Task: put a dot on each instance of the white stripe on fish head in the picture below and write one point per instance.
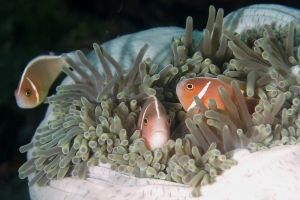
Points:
(35, 90)
(155, 102)
(156, 108)
(200, 95)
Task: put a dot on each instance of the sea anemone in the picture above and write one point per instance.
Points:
(91, 121)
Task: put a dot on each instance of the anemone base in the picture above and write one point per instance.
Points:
(270, 174)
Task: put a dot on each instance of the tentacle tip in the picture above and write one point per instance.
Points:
(295, 69)
(189, 19)
(64, 55)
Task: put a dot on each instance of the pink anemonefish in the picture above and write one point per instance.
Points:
(204, 88)
(36, 80)
(154, 123)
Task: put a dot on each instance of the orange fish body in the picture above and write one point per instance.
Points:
(154, 123)
(204, 88)
(36, 80)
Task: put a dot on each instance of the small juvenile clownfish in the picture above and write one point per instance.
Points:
(36, 80)
(204, 88)
(154, 123)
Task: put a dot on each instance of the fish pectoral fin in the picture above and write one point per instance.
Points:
(180, 131)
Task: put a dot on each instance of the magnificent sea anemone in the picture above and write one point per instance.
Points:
(88, 146)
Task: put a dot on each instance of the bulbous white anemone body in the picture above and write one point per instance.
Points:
(270, 174)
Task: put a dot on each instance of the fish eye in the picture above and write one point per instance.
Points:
(145, 121)
(27, 93)
(190, 86)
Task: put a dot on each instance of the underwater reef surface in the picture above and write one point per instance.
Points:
(262, 61)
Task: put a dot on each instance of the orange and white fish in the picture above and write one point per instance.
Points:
(36, 80)
(154, 123)
(204, 88)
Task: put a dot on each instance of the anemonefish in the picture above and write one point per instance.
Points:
(154, 123)
(36, 80)
(204, 88)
